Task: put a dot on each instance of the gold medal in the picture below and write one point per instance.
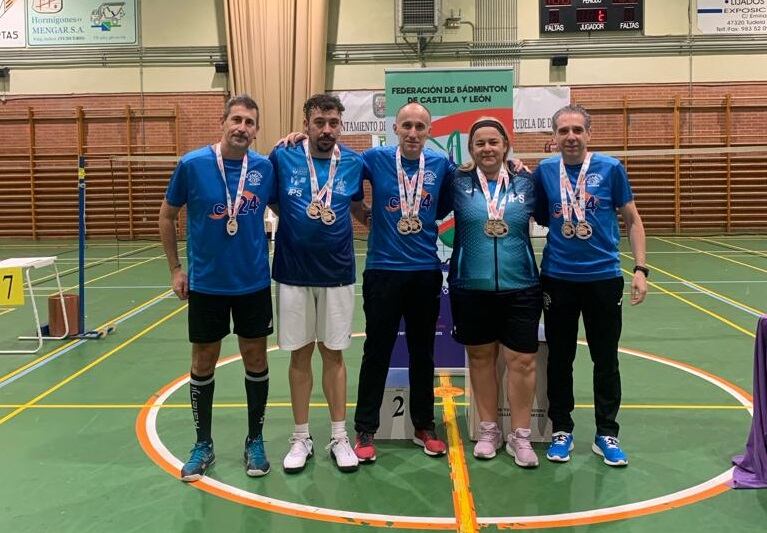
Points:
(328, 216)
(490, 228)
(583, 230)
(568, 229)
(314, 210)
(231, 226)
(403, 226)
(415, 225)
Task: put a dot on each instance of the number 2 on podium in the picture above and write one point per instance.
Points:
(399, 402)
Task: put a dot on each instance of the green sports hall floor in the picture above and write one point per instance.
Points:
(90, 431)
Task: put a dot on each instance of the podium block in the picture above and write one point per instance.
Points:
(540, 425)
(395, 408)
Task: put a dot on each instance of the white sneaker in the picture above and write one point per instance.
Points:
(343, 454)
(301, 449)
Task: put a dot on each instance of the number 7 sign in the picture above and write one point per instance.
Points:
(11, 287)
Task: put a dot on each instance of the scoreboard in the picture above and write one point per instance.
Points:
(582, 16)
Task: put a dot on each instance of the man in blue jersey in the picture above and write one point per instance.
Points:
(225, 188)
(402, 276)
(314, 266)
(579, 194)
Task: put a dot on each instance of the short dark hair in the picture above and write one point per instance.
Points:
(323, 102)
(245, 101)
(572, 108)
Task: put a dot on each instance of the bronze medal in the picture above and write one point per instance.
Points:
(501, 228)
(403, 226)
(314, 210)
(231, 226)
(583, 230)
(568, 229)
(490, 228)
(328, 216)
(415, 225)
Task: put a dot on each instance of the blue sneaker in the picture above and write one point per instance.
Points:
(608, 448)
(202, 457)
(560, 447)
(256, 464)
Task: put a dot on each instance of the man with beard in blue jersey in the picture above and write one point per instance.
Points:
(579, 194)
(314, 266)
(402, 276)
(225, 188)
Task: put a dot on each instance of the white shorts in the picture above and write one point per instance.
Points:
(307, 314)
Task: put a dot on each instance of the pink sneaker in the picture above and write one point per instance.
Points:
(489, 441)
(519, 447)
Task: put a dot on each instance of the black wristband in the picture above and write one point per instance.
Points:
(644, 270)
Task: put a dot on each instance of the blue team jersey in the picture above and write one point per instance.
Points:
(307, 252)
(607, 189)
(487, 263)
(387, 249)
(219, 263)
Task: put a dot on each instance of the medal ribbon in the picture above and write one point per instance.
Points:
(494, 209)
(566, 191)
(327, 190)
(410, 188)
(232, 209)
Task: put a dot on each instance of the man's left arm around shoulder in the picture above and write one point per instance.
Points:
(635, 230)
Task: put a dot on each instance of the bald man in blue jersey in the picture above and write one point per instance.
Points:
(579, 195)
(225, 188)
(402, 277)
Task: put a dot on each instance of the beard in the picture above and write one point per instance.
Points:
(324, 144)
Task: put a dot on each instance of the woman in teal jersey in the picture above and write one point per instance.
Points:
(495, 292)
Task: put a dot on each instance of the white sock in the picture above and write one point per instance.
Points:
(338, 429)
(301, 430)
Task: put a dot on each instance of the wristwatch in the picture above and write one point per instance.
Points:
(644, 270)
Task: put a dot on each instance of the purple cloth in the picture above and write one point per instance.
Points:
(751, 467)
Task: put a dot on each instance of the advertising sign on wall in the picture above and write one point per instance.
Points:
(732, 17)
(81, 22)
(12, 30)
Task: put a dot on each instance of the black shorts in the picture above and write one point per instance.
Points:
(209, 315)
(508, 317)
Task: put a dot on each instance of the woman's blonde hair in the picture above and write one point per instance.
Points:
(485, 122)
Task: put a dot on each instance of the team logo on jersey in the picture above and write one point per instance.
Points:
(516, 197)
(249, 204)
(392, 205)
(298, 176)
(594, 180)
(592, 203)
(254, 178)
(429, 178)
(339, 186)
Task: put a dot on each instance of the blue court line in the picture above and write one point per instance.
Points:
(44, 362)
(702, 290)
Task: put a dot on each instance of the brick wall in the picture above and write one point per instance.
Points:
(653, 116)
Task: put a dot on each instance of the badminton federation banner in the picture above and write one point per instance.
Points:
(456, 98)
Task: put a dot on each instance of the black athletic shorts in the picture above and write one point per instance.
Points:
(509, 317)
(209, 315)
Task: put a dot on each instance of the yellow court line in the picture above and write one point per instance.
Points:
(87, 367)
(272, 405)
(706, 289)
(118, 271)
(694, 305)
(70, 343)
(732, 246)
(463, 500)
(723, 258)
(95, 263)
